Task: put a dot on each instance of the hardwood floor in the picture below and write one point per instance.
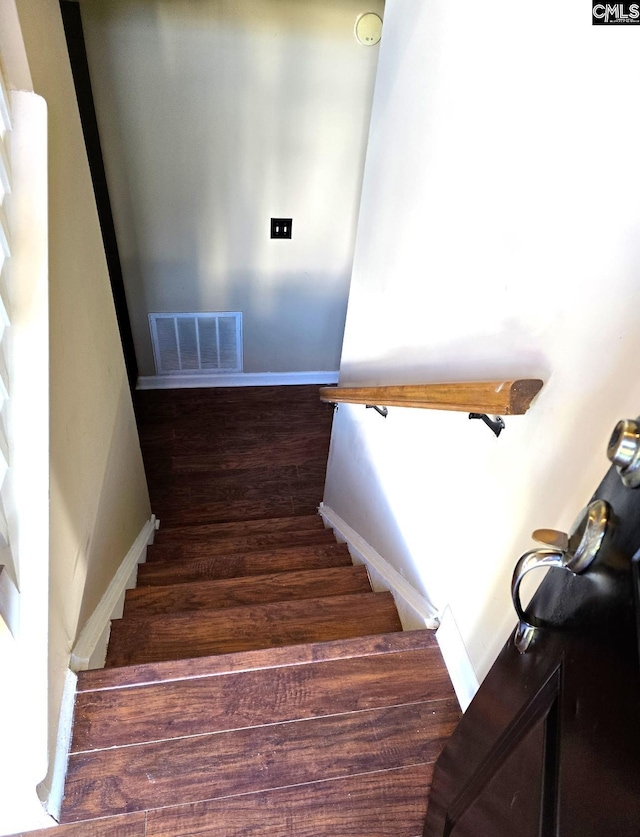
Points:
(233, 454)
(255, 684)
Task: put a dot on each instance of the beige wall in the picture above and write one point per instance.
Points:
(24, 585)
(99, 499)
(499, 236)
(214, 117)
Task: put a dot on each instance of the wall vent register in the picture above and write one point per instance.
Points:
(197, 344)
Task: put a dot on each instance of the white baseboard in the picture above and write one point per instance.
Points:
(461, 671)
(90, 648)
(53, 794)
(414, 609)
(239, 379)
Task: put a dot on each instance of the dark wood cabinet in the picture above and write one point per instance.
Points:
(550, 745)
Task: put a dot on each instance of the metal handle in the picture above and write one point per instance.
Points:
(574, 552)
(531, 560)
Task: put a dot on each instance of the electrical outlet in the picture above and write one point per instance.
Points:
(281, 227)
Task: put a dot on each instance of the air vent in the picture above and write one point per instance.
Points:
(197, 344)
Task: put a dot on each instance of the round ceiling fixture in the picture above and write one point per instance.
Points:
(368, 29)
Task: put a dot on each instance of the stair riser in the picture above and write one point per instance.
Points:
(247, 528)
(144, 602)
(255, 563)
(228, 546)
(202, 633)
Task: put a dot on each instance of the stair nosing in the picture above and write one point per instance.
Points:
(303, 522)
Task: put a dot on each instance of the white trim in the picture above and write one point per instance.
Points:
(5, 106)
(233, 379)
(54, 794)
(457, 660)
(414, 609)
(95, 634)
(9, 594)
(5, 244)
(5, 176)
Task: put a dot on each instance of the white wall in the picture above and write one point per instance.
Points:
(214, 117)
(499, 236)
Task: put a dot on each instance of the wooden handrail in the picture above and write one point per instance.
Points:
(505, 398)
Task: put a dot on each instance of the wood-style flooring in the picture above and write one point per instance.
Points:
(255, 685)
(232, 453)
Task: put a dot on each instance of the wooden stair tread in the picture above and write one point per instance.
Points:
(257, 759)
(309, 556)
(215, 531)
(121, 825)
(200, 633)
(245, 590)
(228, 546)
(112, 718)
(265, 658)
(387, 803)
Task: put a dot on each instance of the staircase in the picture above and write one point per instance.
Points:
(255, 685)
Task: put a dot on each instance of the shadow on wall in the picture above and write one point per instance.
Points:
(99, 502)
(122, 504)
(360, 484)
(215, 117)
(291, 322)
(504, 355)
